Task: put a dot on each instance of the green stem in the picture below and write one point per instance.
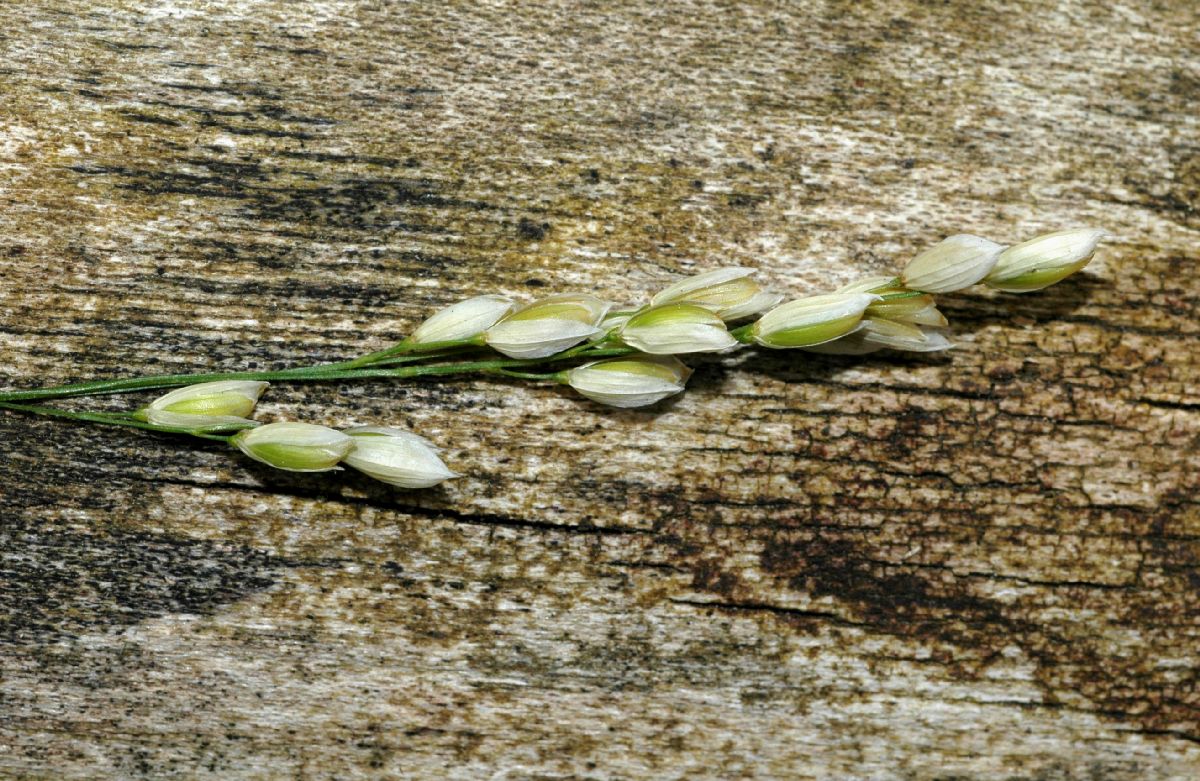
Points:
(743, 333)
(128, 384)
(522, 375)
(376, 363)
(324, 373)
(109, 419)
(410, 351)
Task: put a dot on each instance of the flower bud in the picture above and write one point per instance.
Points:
(953, 264)
(729, 293)
(676, 328)
(1042, 261)
(629, 382)
(462, 321)
(207, 406)
(548, 326)
(396, 457)
(813, 320)
(296, 447)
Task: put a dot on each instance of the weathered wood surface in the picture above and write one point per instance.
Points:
(978, 566)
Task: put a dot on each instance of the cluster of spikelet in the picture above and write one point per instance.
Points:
(711, 312)
(392, 455)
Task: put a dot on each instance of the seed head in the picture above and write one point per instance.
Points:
(672, 329)
(636, 381)
(1040, 262)
(729, 293)
(548, 326)
(206, 406)
(811, 321)
(953, 264)
(462, 321)
(296, 447)
(396, 457)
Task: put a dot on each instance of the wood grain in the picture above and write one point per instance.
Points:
(983, 565)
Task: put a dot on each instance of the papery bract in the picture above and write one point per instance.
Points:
(396, 457)
(676, 328)
(636, 381)
(1042, 261)
(729, 293)
(548, 326)
(462, 321)
(296, 447)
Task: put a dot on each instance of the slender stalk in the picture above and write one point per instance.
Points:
(409, 351)
(396, 361)
(743, 333)
(523, 375)
(321, 373)
(150, 382)
(110, 419)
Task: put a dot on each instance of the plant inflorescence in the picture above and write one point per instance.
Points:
(622, 358)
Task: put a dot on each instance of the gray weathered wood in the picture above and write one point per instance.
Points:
(976, 566)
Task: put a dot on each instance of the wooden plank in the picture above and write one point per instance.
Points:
(979, 565)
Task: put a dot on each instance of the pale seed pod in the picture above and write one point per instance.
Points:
(955, 263)
(811, 321)
(206, 406)
(548, 326)
(1040, 262)
(396, 457)
(729, 293)
(672, 329)
(296, 447)
(462, 321)
(636, 381)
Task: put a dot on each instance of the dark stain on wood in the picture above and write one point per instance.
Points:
(61, 582)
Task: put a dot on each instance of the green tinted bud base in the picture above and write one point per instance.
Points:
(232, 404)
(809, 335)
(1036, 280)
(296, 458)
